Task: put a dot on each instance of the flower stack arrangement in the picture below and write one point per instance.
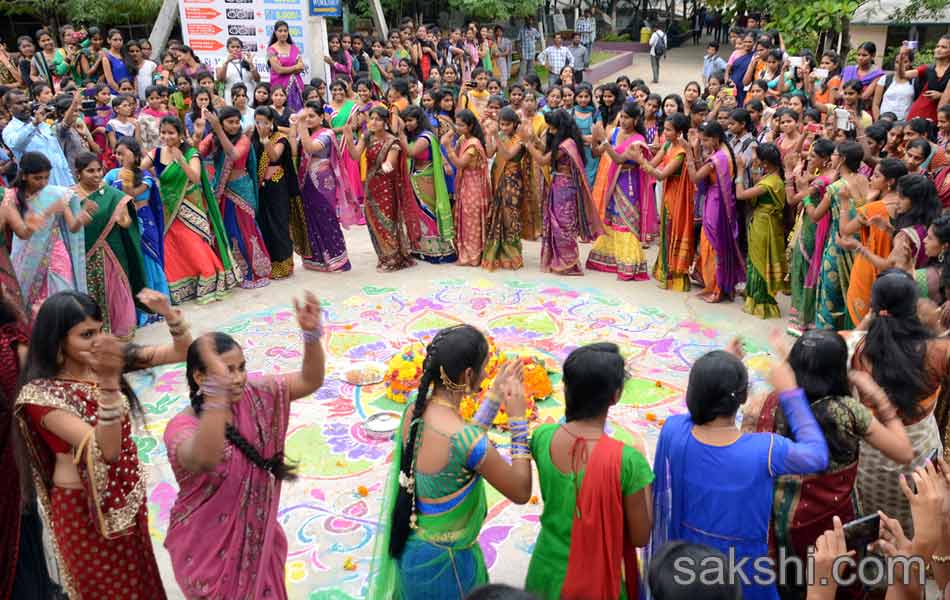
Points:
(405, 371)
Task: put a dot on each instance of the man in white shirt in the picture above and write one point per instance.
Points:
(528, 39)
(587, 27)
(555, 58)
(658, 45)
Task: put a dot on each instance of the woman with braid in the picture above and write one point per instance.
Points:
(435, 501)
(227, 453)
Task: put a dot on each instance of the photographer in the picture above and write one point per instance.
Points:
(70, 129)
(27, 131)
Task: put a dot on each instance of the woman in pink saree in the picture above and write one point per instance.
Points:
(621, 190)
(568, 213)
(472, 187)
(286, 65)
(227, 453)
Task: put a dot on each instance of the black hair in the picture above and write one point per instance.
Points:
(84, 159)
(593, 375)
(438, 96)
(401, 85)
(59, 313)
(666, 583)
(133, 146)
(718, 386)
(741, 115)
(417, 114)
(566, 128)
(820, 361)
(698, 106)
(636, 113)
(836, 59)
(868, 47)
(877, 132)
(173, 121)
(499, 591)
(895, 346)
(888, 117)
(892, 168)
(609, 113)
(275, 465)
(509, 115)
(920, 126)
(770, 154)
(261, 85)
(474, 127)
(31, 163)
(715, 130)
(273, 35)
(782, 112)
(228, 112)
(922, 145)
(941, 227)
(924, 205)
(195, 109)
(680, 123)
(452, 351)
(501, 101)
(852, 154)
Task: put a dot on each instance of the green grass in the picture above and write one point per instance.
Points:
(598, 56)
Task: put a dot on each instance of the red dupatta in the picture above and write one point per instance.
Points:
(601, 552)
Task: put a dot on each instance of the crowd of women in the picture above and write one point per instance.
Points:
(780, 174)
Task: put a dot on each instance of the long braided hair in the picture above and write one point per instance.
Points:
(223, 343)
(452, 350)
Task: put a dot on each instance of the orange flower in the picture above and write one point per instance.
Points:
(362, 490)
(651, 416)
(658, 384)
(533, 500)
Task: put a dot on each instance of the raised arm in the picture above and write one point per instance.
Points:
(310, 377)
(177, 351)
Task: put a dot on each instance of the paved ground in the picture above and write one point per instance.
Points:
(679, 67)
(317, 551)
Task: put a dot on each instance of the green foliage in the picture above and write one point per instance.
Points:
(917, 9)
(616, 37)
(88, 12)
(922, 56)
(495, 10)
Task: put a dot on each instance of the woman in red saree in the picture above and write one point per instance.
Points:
(569, 213)
(596, 490)
(620, 191)
(226, 451)
(73, 416)
(388, 189)
(472, 187)
(677, 248)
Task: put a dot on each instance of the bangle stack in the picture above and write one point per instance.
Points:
(487, 412)
(214, 387)
(216, 406)
(312, 336)
(110, 414)
(941, 559)
(178, 328)
(520, 450)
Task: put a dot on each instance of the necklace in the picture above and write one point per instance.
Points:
(445, 404)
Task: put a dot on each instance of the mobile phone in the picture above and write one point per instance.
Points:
(911, 44)
(813, 128)
(731, 90)
(858, 534)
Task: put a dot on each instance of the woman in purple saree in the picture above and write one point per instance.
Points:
(568, 212)
(226, 451)
(286, 65)
(720, 259)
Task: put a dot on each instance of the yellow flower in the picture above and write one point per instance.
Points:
(349, 564)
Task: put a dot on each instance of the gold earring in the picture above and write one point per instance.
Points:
(451, 385)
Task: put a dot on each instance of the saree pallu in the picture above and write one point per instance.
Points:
(442, 557)
(765, 276)
(530, 212)
(512, 180)
(569, 214)
(878, 475)
(224, 540)
(151, 225)
(53, 259)
(293, 83)
(677, 247)
(320, 187)
(942, 182)
(429, 222)
(472, 194)
(198, 263)
(99, 532)
(114, 267)
(644, 203)
(387, 195)
(9, 286)
(273, 214)
(863, 272)
(721, 261)
(237, 199)
(836, 263)
(349, 212)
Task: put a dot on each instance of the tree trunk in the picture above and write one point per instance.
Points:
(845, 42)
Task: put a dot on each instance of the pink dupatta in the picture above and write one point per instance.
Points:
(821, 237)
(590, 224)
(223, 536)
(606, 179)
(347, 204)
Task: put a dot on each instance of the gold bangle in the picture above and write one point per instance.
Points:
(940, 559)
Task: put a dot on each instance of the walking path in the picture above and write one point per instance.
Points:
(680, 66)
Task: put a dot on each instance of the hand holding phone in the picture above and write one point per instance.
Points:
(860, 533)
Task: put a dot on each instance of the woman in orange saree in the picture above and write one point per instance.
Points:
(472, 188)
(677, 249)
(877, 239)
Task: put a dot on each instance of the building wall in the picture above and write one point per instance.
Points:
(869, 33)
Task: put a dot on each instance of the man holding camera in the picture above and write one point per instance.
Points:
(27, 131)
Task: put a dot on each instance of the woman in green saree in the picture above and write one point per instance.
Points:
(198, 260)
(341, 109)
(766, 267)
(435, 504)
(115, 270)
(429, 220)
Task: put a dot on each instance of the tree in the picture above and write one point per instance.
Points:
(56, 12)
